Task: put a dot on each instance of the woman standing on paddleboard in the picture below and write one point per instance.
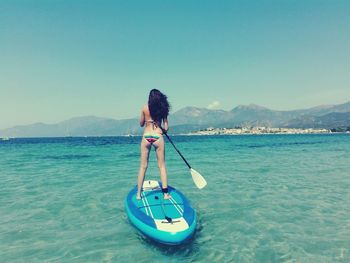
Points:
(153, 115)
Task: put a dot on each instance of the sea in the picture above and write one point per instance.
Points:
(269, 198)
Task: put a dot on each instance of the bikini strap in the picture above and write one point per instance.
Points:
(154, 124)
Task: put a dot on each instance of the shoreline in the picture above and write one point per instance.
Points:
(259, 131)
(200, 133)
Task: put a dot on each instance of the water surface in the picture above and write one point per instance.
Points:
(270, 198)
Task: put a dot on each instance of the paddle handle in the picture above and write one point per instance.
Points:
(183, 158)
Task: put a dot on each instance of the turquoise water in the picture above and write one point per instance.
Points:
(270, 198)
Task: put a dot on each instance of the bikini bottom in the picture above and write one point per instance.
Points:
(151, 137)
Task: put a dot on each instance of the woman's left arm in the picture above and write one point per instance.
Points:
(166, 125)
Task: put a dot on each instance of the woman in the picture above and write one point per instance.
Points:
(152, 117)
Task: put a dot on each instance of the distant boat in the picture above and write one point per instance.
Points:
(5, 138)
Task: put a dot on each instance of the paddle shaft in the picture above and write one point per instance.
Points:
(183, 158)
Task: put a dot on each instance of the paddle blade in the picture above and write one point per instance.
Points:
(198, 179)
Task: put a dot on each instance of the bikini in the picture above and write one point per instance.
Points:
(152, 136)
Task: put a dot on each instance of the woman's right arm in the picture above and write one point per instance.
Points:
(142, 118)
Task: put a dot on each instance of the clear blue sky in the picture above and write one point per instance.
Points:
(62, 59)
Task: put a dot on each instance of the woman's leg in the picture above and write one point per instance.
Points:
(160, 151)
(145, 147)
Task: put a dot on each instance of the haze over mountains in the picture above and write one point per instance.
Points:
(191, 119)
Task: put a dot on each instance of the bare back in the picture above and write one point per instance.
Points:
(150, 124)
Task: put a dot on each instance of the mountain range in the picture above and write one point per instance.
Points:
(191, 119)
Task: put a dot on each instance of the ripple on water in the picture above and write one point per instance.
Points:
(68, 157)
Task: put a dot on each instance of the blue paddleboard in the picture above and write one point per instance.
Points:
(171, 221)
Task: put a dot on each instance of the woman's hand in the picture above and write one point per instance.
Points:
(163, 130)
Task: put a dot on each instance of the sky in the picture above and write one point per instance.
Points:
(66, 58)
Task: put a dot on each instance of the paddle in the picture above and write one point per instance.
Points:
(197, 178)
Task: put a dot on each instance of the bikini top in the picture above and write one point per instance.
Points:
(154, 124)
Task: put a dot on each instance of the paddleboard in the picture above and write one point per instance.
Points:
(171, 221)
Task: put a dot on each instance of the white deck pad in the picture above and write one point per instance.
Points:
(177, 225)
(150, 185)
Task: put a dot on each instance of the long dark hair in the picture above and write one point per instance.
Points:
(158, 105)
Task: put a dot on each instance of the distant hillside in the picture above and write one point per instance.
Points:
(191, 119)
(255, 115)
(199, 116)
(79, 126)
(333, 120)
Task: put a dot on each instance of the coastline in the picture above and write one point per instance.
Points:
(206, 132)
(258, 131)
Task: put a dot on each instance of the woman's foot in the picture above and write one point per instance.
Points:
(138, 196)
(166, 193)
(167, 196)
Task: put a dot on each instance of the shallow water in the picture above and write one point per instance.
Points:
(270, 198)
